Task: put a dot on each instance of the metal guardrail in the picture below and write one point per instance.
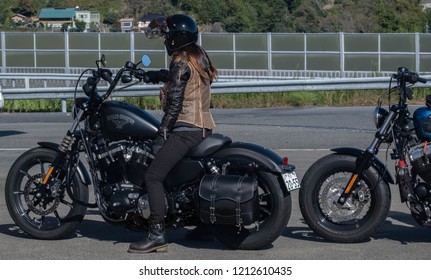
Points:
(223, 85)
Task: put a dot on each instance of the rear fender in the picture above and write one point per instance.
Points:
(255, 153)
(375, 162)
(82, 171)
(267, 159)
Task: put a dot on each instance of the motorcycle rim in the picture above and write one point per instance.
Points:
(365, 210)
(49, 215)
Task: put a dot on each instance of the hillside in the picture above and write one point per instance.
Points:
(254, 15)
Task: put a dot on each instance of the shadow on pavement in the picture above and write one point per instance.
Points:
(407, 232)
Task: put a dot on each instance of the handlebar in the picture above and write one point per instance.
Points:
(90, 87)
(405, 76)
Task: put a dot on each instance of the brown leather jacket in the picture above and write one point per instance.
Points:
(187, 98)
(196, 104)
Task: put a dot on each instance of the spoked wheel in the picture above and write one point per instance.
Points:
(275, 209)
(44, 212)
(359, 217)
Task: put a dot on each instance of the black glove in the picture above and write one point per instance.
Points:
(157, 144)
(156, 76)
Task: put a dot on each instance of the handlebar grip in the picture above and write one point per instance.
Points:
(140, 74)
(407, 76)
(106, 75)
(422, 80)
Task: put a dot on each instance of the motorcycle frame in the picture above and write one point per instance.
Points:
(367, 158)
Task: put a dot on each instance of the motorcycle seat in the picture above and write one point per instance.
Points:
(209, 145)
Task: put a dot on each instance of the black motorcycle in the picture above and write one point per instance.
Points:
(345, 196)
(241, 190)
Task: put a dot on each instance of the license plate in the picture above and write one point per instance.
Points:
(291, 181)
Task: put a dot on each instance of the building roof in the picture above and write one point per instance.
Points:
(56, 13)
(127, 19)
(20, 16)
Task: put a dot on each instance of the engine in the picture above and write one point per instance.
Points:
(122, 166)
(420, 204)
(419, 156)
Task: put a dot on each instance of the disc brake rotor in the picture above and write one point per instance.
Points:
(39, 202)
(355, 207)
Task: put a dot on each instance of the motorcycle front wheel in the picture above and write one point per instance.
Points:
(275, 209)
(363, 213)
(42, 213)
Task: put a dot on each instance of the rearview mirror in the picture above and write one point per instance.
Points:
(102, 61)
(146, 60)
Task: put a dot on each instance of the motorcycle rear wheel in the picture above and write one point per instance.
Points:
(359, 218)
(50, 217)
(275, 210)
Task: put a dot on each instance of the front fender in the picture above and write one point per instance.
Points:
(375, 162)
(82, 171)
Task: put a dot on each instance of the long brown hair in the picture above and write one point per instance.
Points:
(200, 61)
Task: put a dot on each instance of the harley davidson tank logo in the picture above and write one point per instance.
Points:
(120, 120)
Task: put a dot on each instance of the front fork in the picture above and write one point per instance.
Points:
(362, 164)
(365, 161)
(54, 171)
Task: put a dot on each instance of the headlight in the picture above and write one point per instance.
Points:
(379, 116)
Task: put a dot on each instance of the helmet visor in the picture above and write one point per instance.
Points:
(157, 28)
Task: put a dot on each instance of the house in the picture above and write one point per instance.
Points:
(143, 22)
(126, 24)
(19, 18)
(56, 18)
(91, 19)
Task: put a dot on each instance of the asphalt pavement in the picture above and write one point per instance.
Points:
(302, 134)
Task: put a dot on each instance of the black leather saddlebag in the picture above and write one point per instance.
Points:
(228, 199)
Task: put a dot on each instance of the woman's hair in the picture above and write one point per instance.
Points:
(199, 60)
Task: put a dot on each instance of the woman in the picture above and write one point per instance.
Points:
(185, 99)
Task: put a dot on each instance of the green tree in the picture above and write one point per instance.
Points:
(5, 13)
(305, 17)
(111, 18)
(349, 16)
(205, 11)
(80, 25)
(241, 17)
(271, 15)
(428, 21)
(399, 16)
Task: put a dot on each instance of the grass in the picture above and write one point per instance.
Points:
(244, 100)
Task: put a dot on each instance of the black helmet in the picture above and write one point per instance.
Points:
(178, 30)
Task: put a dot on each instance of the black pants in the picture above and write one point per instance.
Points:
(172, 151)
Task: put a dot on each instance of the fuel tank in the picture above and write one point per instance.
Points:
(422, 122)
(120, 120)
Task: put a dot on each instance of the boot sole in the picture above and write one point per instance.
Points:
(158, 249)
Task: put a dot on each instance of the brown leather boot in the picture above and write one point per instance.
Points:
(154, 242)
